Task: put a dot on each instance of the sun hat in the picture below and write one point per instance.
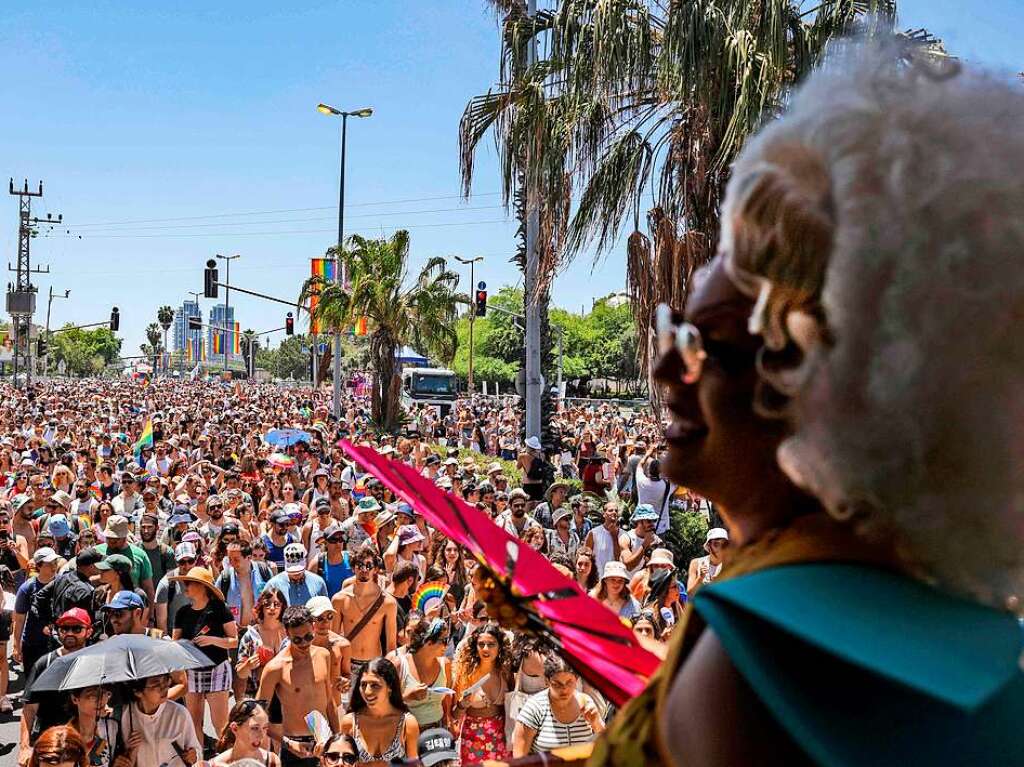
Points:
(563, 512)
(179, 519)
(58, 526)
(184, 550)
(644, 512)
(715, 534)
(494, 468)
(118, 562)
(436, 745)
(124, 600)
(662, 557)
(199, 575)
(409, 534)
(445, 483)
(62, 498)
(384, 518)
(403, 508)
(45, 554)
(117, 527)
(367, 504)
(294, 558)
(534, 443)
(317, 606)
(18, 501)
(615, 569)
(192, 535)
(76, 616)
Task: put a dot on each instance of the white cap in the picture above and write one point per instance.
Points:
(317, 606)
(294, 558)
(184, 550)
(45, 554)
(534, 443)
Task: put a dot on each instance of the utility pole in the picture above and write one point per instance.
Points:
(49, 304)
(227, 305)
(21, 296)
(531, 285)
(186, 336)
(472, 317)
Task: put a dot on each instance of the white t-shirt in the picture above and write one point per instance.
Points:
(171, 723)
(653, 492)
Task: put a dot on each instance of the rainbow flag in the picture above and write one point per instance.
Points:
(145, 439)
(361, 326)
(217, 343)
(319, 267)
(238, 340)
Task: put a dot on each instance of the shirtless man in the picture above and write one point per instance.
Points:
(300, 677)
(21, 521)
(341, 650)
(366, 597)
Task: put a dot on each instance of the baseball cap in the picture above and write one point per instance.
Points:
(322, 503)
(332, 529)
(76, 616)
(44, 554)
(124, 600)
(88, 556)
(115, 562)
(317, 606)
(294, 558)
(184, 550)
(280, 518)
(436, 745)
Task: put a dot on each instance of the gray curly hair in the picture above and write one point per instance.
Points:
(880, 225)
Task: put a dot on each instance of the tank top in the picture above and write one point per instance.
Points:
(604, 547)
(396, 750)
(429, 710)
(275, 553)
(335, 575)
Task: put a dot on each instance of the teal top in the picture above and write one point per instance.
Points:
(861, 666)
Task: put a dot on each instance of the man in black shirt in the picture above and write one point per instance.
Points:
(72, 588)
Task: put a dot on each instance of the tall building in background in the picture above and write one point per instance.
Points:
(221, 334)
(182, 335)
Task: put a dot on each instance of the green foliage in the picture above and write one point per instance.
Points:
(84, 352)
(686, 536)
(600, 344)
(509, 468)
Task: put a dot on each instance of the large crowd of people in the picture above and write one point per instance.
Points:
(304, 582)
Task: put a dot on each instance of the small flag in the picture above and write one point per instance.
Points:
(146, 438)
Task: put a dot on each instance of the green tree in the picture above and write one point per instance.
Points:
(422, 314)
(637, 100)
(84, 352)
(152, 347)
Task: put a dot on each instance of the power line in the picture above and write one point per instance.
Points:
(296, 220)
(260, 234)
(284, 210)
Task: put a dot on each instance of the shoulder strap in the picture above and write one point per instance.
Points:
(366, 617)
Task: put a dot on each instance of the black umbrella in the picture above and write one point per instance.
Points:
(121, 658)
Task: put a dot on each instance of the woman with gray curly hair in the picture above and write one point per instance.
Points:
(868, 231)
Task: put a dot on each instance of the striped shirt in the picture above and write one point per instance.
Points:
(551, 734)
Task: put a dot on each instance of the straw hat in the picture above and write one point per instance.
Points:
(615, 569)
(662, 557)
(200, 575)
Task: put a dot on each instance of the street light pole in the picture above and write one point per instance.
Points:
(340, 278)
(227, 303)
(472, 317)
(530, 285)
(49, 303)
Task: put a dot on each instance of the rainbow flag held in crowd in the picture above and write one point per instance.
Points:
(145, 439)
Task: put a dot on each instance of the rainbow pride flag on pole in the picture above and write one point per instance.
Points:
(238, 340)
(324, 268)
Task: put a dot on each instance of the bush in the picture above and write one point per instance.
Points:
(685, 536)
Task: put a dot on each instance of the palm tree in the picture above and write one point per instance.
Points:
(421, 314)
(165, 316)
(646, 97)
(153, 334)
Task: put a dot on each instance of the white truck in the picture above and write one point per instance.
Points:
(429, 386)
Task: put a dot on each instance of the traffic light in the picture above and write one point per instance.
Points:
(41, 347)
(115, 319)
(210, 279)
(481, 303)
(195, 322)
(289, 324)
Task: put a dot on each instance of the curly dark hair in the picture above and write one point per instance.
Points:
(469, 658)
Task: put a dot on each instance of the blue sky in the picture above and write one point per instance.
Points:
(141, 119)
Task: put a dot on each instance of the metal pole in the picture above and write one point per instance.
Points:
(532, 309)
(472, 320)
(561, 334)
(338, 276)
(46, 357)
(186, 337)
(227, 309)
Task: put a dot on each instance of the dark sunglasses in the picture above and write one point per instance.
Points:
(364, 566)
(301, 640)
(336, 539)
(187, 561)
(72, 629)
(333, 757)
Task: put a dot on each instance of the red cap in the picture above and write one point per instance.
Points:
(76, 615)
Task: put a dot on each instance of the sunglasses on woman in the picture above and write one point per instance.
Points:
(340, 757)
